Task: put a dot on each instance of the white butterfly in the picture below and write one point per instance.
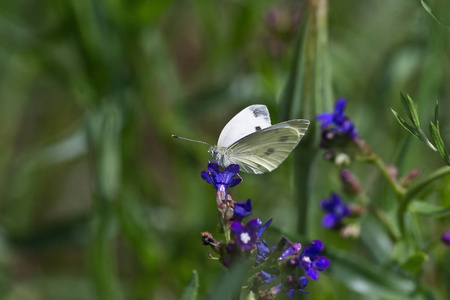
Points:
(250, 141)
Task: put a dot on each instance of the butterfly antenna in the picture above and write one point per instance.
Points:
(195, 141)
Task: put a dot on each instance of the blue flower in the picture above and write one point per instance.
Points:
(263, 250)
(267, 277)
(221, 180)
(446, 238)
(310, 260)
(293, 249)
(336, 211)
(246, 236)
(262, 227)
(242, 210)
(337, 121)
(290, 286)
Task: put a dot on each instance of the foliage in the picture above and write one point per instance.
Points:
(99, 202)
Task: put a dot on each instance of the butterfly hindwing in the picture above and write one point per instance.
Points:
(251, 119)
(264, 150)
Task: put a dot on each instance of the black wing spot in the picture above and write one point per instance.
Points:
(258, 128)
(283, 138)
(260, 111)
(269, 151)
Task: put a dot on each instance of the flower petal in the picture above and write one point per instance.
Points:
(264, 227)
(329, 220)
(321, 263)
(234, 182)
(242, 209)
(206, 177)
(313, 274)
(236, 227)
(291, 250)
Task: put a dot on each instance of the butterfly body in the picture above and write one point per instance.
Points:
(250, 140)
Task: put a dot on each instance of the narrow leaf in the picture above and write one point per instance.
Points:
(428, 10)
(411, 110)
(436, 114)
(414, 263)
(437, 139)
(428, 209)
(190, 291)
(405, 125)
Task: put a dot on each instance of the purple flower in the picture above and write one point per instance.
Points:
(290, 286)
(446, 238)
(262, 227)
(337, 121)
(336, 211)
(267, 277)
(310, 260)
(246, 236)
(242, 210)
(221, 180)
(263, 251)
(291, 250)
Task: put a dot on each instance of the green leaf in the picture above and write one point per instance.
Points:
(191, 290)
(437, 139)
(414, 118)
(367, 278)
(414, 263)
(436, 114)
(308, 92)
(428, 10)
(428, 209)
(405, 125)
(411, 110)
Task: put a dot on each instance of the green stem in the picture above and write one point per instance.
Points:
(398, 189)
(419, 186)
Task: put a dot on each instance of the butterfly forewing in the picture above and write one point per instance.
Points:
(251, 119)
(264, 150)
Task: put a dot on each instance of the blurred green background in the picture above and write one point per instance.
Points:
(97, 201)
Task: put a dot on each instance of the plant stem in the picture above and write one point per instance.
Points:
(398, 189)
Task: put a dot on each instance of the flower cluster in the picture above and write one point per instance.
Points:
(336, 125)
(277, 265)
(336, 210)
(221, 180)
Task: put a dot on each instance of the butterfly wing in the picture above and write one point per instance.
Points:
(264, 150)
(249, 120)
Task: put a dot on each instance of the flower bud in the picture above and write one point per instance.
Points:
(393, 171)
(351, 231)
(408, 178)
(350, 183)
(342, 160)
(446, 238)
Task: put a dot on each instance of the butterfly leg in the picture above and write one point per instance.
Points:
(212, 161)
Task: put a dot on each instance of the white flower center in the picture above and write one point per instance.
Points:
(306, 259)
(245, 237)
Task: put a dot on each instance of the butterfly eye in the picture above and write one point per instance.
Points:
(258, 128)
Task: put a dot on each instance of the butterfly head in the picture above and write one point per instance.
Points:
(213, 151)
(218, 153)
